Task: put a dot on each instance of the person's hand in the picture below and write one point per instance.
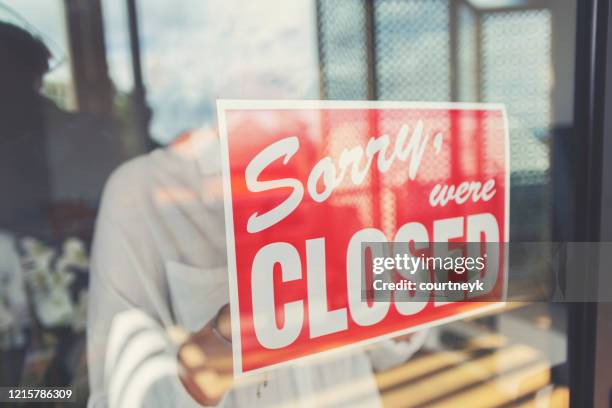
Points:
(206, 360)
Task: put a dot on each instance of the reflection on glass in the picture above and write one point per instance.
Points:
(195, 52)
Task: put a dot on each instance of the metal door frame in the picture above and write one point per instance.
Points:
(590, 325)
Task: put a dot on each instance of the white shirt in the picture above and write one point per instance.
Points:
(159, 259)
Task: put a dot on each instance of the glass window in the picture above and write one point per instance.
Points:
(71, 128)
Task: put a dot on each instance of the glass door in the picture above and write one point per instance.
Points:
(141, 72)
(521, 54)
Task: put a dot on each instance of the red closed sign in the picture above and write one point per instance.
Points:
(310, 184)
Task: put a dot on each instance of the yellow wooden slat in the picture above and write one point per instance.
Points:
(419, 367)
(424, 365)
(508, 307)
(558, 398)
(500, 391)
(456, 378)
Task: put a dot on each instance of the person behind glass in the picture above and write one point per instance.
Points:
(24, 184)
(52, 159)
(24, 179)
(158, 262)
(43, 166)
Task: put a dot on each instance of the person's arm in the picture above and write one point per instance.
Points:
(130, 353)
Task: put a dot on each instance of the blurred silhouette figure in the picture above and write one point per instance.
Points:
(53, 166)
(24, 179)
(54, 162)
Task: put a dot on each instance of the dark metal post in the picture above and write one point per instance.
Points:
(322, 77)
(590, 358)
(94, 91)
(141, 109)
(453, 40)
(370, 43)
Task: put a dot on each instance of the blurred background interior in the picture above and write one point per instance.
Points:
(128, 76)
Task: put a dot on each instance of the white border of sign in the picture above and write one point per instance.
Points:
(229, 104)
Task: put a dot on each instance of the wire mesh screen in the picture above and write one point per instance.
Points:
(405, 32)
(412, 49)
(342, 50)
(520, 76)
(467, 54)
